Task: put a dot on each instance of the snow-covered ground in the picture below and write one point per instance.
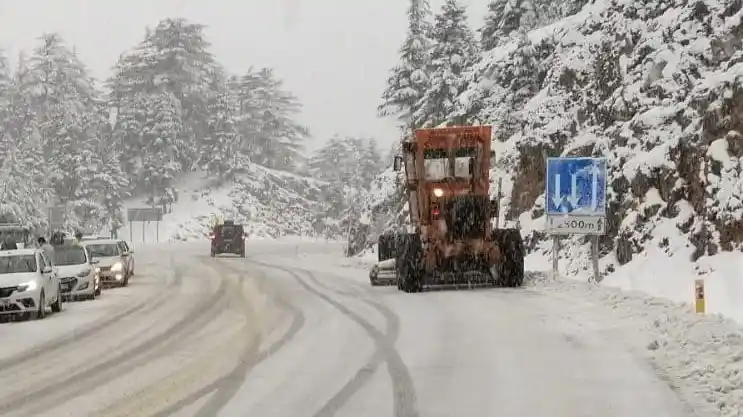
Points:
(581, 349)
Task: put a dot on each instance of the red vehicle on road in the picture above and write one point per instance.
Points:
(228, 237)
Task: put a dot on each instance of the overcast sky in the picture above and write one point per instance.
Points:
(333, 54)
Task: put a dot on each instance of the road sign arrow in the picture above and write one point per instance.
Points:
(574, 197)
(595, 171)
(557, 198)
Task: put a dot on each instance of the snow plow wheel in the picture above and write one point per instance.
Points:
(408, 263)
(510, 272)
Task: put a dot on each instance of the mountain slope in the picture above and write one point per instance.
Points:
(651, 85)
(269, 202)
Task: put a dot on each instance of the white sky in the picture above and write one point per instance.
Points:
(333, 54)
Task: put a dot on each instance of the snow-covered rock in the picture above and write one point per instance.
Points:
(654, 86)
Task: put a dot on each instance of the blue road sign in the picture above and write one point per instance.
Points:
(576, 186)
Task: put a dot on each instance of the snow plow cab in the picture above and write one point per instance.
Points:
(452, 241)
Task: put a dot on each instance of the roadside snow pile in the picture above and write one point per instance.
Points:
(700, 356)
(268, 202)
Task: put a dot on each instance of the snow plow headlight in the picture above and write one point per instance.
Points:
(438, 192)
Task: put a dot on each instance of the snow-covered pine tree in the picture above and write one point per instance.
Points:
(186, 68)
(490, 32)
(24, 194)
(408, 80)
(273, 138)
(64, 100)
(129, 96)
(371, 162)
(164, 146)
(221, 147)
(454, 51)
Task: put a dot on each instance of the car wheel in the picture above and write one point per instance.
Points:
(57, 306)
(41, 311)
(97, 291)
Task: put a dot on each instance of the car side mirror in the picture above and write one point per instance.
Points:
(397, 163)
(94, 262)
(46, 270)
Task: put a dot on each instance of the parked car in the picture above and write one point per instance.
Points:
(115, 261)
(28, 284)
(77, 271)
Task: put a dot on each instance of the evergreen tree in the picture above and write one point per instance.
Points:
(408, 80)
(221, 148)
(271, 136)
(184, 67)
(164, 148)
(371, 162)
(453, 53)
(490, 32)
(64, 100)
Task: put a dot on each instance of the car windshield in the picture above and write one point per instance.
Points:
(103, 250)
(69, 256)
(17, 264)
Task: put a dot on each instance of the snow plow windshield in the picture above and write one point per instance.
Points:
(437, 165)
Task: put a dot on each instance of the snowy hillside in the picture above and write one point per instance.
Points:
(654, 87)
(270, 203)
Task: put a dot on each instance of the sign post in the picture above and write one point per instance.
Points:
(144, 215)
(575, 198)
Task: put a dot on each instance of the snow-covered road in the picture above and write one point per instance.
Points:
(283, 333)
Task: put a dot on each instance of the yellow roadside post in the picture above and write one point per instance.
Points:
(699, 301)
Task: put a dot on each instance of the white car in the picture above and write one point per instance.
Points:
(77, 271)
(28, 284)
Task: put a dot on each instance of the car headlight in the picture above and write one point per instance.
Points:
(27, 286)
(117, 267)
(438, 192)
(84, 274)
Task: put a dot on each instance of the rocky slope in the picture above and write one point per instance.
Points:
(655, 87)
(268, 202)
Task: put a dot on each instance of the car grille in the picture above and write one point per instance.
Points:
(6, 291)
(11, 307)
(68, 283)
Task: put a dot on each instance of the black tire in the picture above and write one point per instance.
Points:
(409, 263)
(510, 272)
(98, 289)
(57, 306)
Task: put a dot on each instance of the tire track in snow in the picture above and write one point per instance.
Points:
(73, 384)
(44, 349)
(403, 390)
(226, 387)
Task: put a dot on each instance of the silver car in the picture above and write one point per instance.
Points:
(115, 261)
